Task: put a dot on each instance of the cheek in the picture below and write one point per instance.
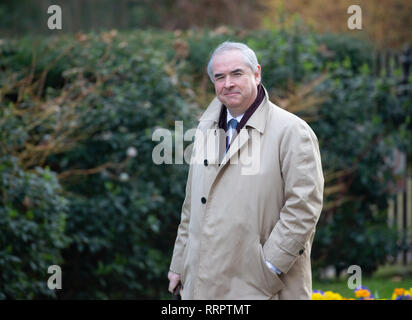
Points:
(250, 85)
(218, 88)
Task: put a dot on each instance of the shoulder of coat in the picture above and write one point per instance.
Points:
(212, 112)
(282, 116)
(287, 121)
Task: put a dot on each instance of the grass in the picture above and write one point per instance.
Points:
(381, 284)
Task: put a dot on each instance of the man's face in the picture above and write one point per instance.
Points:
(235, 83)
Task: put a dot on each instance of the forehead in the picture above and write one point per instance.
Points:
(229, 60)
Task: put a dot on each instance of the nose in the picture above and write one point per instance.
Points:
(228, 82)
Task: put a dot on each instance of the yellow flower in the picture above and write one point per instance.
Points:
(399, 291)
(330, 295)
(362, 293)
(318, 296)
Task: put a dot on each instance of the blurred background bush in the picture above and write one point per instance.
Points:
(78, 108)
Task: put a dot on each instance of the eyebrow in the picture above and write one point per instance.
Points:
(233, 71)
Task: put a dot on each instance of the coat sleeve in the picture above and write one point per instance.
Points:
(176, 264)
(302, 174)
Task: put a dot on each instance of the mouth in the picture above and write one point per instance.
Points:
(231, 93)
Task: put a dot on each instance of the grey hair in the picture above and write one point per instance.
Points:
(247, 53)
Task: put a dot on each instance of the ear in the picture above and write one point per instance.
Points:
(258, 75)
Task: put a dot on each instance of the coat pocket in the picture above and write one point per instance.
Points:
(271, 283)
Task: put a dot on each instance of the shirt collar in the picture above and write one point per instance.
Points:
(230, 117)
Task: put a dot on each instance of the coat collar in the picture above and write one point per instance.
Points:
(257, 120)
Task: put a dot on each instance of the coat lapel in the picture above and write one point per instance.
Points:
(257, 121)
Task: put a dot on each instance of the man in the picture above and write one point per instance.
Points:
(248, 236)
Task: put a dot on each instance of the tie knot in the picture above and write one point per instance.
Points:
(233, 123)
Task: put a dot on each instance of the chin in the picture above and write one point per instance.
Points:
(229, 103)
(232, 103)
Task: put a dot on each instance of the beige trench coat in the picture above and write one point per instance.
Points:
(233, 219)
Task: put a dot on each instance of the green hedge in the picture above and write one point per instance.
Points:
(33, 217)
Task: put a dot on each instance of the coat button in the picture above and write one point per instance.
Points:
(206, 162)
(203, 200)
(301, 251)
